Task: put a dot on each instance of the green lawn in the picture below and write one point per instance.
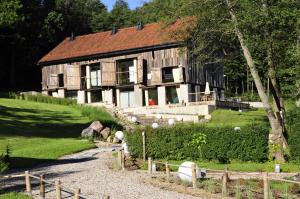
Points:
(235, 118)
(39, 132)
(13, 195)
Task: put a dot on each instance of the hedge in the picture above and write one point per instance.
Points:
(293, 129)
(222, 143)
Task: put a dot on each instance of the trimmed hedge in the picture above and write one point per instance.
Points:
(222, 143)
(293, 128)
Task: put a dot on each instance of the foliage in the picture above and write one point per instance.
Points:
(293, 129)
(222, 143)
(14, 195)
(9, 12)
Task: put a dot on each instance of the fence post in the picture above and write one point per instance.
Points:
(224, 182)
(194, 177)
(266, 185)
(149, 166)
(42, 186)
(119, 159)
(144, 145)
(27, 182)
(123, 160)
(77, 193)
(168, 171)
(58, 189)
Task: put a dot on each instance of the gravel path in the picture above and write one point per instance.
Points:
(89, 171)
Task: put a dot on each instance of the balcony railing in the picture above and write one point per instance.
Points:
(125, 78)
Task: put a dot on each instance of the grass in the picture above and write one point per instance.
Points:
(38, 132)
(234, 118)
(13, 195)
(234, 166)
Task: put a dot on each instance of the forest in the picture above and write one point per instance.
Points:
(31, 28)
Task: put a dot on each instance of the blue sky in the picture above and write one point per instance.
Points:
(132, 3)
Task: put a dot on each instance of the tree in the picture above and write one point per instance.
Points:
(120, 15)
(9, 12)
(230, 28)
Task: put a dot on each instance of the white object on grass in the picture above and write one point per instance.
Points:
(125, 147)
(119, 135)
(237, 128)
(158, 116)
(171, 122)
(155, 125)
(179, 118)
(134, 119)
(185, 171)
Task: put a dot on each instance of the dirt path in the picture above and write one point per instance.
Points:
(89, 171)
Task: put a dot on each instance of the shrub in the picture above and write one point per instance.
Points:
(221, 143)
(293, 129)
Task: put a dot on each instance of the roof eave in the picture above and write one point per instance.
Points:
(111, 54)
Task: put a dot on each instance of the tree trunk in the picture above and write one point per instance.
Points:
(275, 87)
(277, 137)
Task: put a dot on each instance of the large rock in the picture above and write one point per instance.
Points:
(97, 126)
(105, 133)
(88, 133)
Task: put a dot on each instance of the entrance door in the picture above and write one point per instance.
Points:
(127, 99)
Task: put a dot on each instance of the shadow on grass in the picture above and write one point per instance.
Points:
(42, 123)
(25, 163)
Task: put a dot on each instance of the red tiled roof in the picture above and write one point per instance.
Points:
(105, 42)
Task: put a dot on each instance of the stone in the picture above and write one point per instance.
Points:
(105, 133)
(88, 133)
(97, 126)
(109, 139)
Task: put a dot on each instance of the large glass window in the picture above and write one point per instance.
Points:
(95, 75)
(125, 72)
(167, 74)
(153, 99)
(172, 95)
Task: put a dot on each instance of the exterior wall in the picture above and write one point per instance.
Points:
(148, 68)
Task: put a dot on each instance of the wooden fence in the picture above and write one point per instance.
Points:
(225, 177)
(76, 194)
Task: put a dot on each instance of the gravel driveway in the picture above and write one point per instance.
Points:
(90, 172)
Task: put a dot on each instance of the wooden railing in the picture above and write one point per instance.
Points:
(59, 189)
(225, 176)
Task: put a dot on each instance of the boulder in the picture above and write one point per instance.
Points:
(109, 139)
(105, 133)
(97, 126)
(88, 133)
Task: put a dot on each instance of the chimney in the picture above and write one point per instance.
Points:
(114, 30)
(140, 25)
(72, 37)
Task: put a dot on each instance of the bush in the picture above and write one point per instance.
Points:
(221, 143)
(293, 129)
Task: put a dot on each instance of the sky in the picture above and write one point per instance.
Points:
(132, 3)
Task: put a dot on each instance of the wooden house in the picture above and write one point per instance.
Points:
(129, 67)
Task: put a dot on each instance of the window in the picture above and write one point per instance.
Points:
(153, 98)
(61, 80)
(167, 74)
(172, 95)
(95, 75)
(125, 72)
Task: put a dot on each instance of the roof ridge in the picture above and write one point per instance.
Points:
(131, 27)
